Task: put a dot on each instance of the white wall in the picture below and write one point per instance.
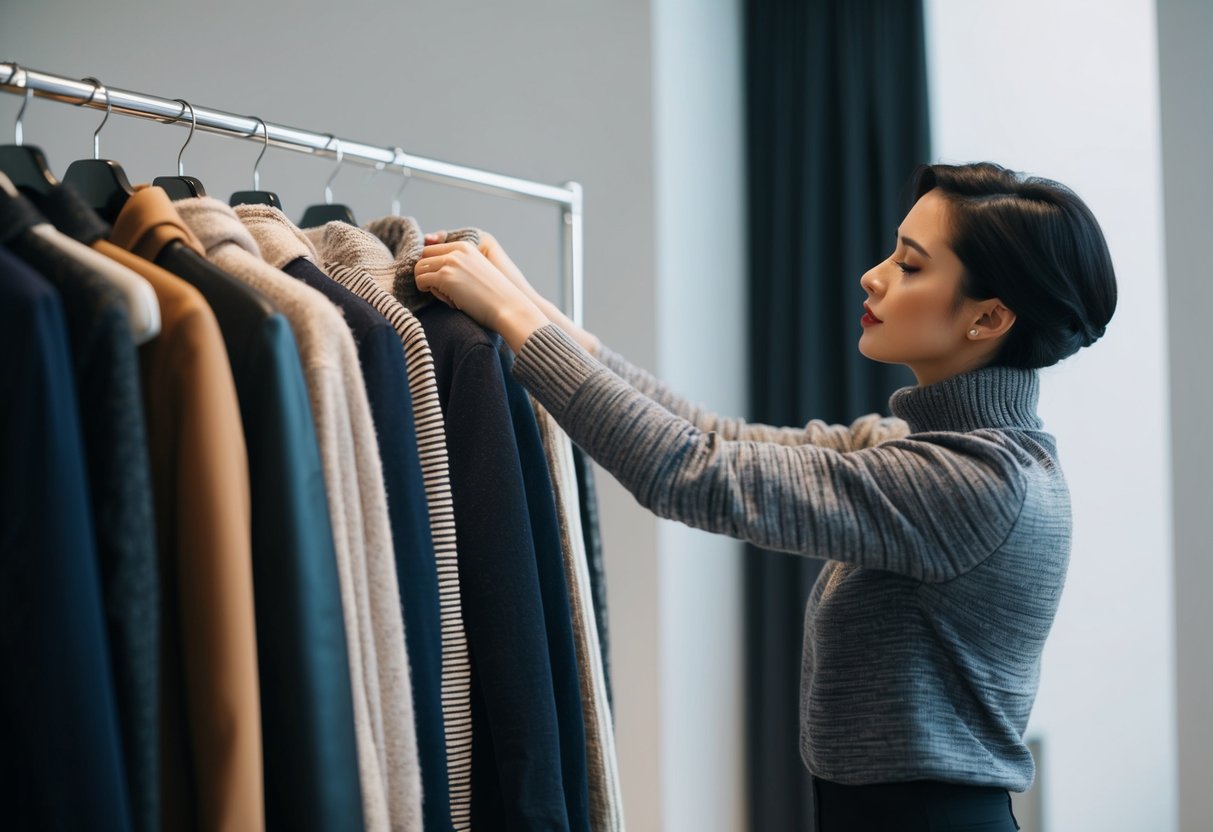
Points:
(701, 309)
(1069, 90)
(1185, 30)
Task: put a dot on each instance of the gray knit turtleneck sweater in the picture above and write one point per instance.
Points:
(947, 535)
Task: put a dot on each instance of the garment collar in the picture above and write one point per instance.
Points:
(404, 237)
(149, 221)
(280, 240)
(991, 397)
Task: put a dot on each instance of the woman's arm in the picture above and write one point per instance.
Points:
(929, 507)
(862, 433)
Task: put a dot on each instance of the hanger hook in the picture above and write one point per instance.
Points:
(407, 177)
(265, 131)
(374, 171)
(328, 186)
(91, 97)
(19, 126)
(109, 107)
(190, 137)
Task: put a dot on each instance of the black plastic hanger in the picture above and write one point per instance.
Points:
(182, 186)
(257, 196)
(22, 163)
(317, 215)
(101, 182)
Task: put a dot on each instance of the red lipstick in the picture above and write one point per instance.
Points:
(868, 318)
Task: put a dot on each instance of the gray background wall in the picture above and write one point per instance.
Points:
(1185, 32)
(1061, 90)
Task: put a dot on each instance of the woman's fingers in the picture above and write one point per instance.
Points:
(435, 249)
(435, 237)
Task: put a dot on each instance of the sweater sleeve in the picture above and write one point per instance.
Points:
(929, 507)
(864, 432)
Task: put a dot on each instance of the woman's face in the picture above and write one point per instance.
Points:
(914, 319)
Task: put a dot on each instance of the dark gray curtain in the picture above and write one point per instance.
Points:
(836, 110)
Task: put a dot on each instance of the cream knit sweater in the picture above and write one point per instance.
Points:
(379, 673)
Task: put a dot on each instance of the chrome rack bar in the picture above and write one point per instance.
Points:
(17, 79)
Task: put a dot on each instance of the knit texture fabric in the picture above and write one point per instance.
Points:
(383, 711)
(386, 380)
(360, 262)
(947, 535)
(405, 239)
(606, 799)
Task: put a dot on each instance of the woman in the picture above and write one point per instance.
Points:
(946, 528)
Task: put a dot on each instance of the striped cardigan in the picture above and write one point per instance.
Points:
(358, 260)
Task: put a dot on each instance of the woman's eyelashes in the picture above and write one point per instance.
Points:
(905, 267)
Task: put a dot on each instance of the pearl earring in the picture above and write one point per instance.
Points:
(973, 333)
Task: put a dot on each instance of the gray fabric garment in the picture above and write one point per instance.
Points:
(602, 764)
(947, 535)
(587, 493)
(360, 262)
(379, 670)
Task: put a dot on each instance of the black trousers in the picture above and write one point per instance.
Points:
(917, 806)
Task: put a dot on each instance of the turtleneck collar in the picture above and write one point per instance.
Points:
(990, 397)
(403, 235)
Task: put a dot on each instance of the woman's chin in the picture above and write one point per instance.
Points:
(869, 350)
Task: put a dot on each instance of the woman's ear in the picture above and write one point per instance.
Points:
(995, 319)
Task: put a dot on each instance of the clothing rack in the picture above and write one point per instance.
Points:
(19, 80)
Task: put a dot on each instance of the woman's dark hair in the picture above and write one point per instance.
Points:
(1032, 243)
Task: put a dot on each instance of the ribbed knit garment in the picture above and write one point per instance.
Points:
(383, 710)
(947, 533)
(606, 799)
(359, 261)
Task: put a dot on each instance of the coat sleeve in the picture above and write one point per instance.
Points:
(929, 507)
(864, 432)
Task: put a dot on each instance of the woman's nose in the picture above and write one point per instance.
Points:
(870, 282)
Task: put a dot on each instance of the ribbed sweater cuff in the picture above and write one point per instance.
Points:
(554, 367)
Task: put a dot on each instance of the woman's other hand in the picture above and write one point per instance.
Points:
(496, 255)
(462, 276)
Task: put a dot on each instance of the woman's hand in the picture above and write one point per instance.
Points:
(496, 255)
(461, 275)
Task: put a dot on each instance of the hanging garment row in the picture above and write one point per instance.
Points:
(284, 544)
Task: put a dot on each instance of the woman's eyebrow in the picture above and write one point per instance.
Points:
(915, 245)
